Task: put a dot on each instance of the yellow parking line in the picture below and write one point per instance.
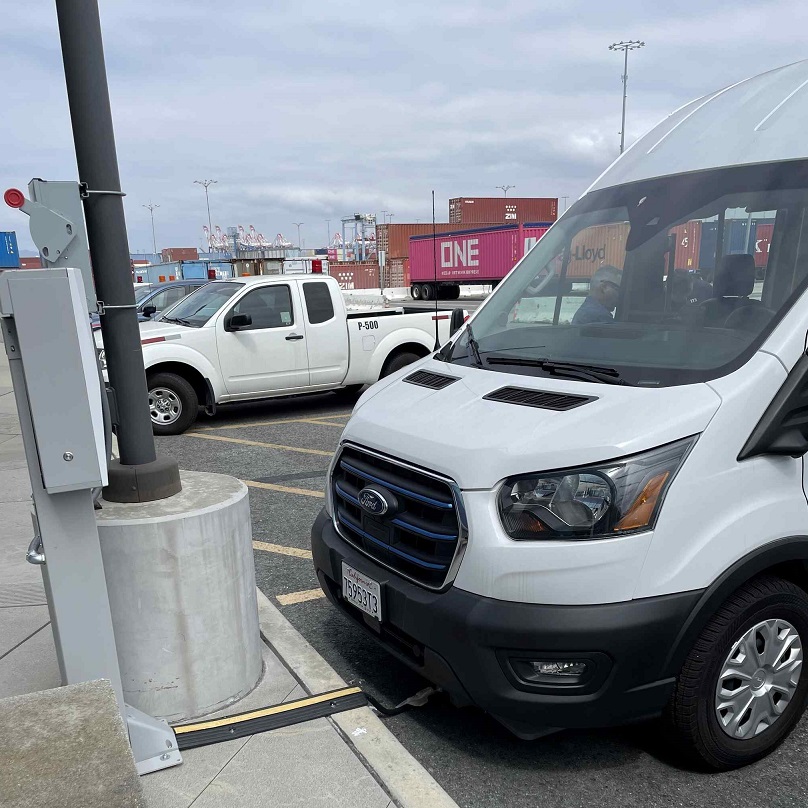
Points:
(281, 421)
(281, 550)
(307, 492)
(300, 597)
(245, 442)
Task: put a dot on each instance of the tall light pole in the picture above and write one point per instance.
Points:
(390, 218)
(384, 217)
(206, 184)
(632, 44)
(327, 233)
(298, 225)
(151, 208)
(505, 188)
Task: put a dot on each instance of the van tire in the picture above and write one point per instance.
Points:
(173, 388)
(692, 713)
(397, 362)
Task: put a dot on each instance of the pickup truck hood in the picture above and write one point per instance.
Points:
(478, 443)
(151, 330)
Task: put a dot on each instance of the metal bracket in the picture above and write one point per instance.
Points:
(85, 192)
(103, 307)
(153, 742)
(35, 554)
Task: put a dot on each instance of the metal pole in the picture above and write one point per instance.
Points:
(505, 189)
(298, 225)
(625, 47)
(151, 208)
(205, 184)
(327, 233)
(625, 90)
(91, 118)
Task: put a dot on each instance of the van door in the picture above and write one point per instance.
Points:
(269, 354)
(327, 334)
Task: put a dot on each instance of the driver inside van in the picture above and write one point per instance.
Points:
(604, 289)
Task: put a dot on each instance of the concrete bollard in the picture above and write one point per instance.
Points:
(181, 583)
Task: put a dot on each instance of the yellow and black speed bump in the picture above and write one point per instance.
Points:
(267, 718)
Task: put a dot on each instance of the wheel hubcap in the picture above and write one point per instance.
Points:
(164, 405)
(758, 679)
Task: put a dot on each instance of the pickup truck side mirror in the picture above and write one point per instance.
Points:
(456, 321)
(238, 321)
(149, 311)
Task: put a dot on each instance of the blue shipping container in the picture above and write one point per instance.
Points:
(9, 254)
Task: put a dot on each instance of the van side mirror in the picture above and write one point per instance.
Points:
(238, 321)
(456, 321)
(149, 311)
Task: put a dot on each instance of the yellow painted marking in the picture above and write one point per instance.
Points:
(306, 492)
(300, 597)
(313, 419)
(324, 422)
(245, 442)
(278, 708)
(279, 548)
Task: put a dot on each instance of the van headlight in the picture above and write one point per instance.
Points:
(591, 502)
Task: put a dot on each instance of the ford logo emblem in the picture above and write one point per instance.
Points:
(373, 502)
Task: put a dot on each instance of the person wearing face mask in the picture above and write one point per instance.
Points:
(600, 303)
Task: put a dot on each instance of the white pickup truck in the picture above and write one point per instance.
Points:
(254, 338)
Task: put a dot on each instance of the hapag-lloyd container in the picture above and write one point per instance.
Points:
(472, 256)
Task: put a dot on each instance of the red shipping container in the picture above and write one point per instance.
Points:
(763, 243)
(355, 274)
(471, 256)
(170, 254)
(688, 245)
(502, 210)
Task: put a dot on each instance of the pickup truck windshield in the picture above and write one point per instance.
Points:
(196, 309)
(661, 282)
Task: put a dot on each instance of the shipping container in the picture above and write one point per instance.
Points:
(30, 262)
(480, 256)
(394, 239)
(471, 210)
(179, 254)
(397, 273)
(763, 238)
(355, 274)
(177, 270)
(9, 254)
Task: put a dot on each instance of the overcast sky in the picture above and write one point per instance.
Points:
(311, 110)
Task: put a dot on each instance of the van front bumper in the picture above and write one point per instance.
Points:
(470, 645)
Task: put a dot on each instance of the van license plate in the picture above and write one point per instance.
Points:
(361, 591)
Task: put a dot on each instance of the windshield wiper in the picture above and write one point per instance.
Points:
(573, 369)
(178, 320)
(474, 346)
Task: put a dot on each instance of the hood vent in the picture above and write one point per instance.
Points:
(538, 398)
(435, 381)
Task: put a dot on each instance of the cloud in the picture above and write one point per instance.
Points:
(310, 110)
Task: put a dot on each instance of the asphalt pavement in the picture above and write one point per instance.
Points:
(282, 448)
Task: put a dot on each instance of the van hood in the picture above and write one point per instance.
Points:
(478, 442)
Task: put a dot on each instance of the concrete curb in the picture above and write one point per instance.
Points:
(407, 781)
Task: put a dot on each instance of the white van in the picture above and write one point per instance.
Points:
(590, 506)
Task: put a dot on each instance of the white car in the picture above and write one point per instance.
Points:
(262, 337)
(603, 517)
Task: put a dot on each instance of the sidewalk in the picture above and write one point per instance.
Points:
(346, 760)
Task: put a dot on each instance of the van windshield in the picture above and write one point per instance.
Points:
(661, 282)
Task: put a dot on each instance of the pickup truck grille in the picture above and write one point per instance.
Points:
(419, 536)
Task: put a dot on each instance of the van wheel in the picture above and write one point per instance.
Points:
(397, 362)
(742, 688)
(415, 291)
(173, 404)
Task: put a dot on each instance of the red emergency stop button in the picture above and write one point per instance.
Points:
(14, 198)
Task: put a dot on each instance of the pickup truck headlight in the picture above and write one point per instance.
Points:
(591, 502)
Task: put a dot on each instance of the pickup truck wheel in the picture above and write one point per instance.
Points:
(173, 404)
(397, 362)
(742, 688)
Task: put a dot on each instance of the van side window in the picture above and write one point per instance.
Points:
(269, 307)
(319, 305)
